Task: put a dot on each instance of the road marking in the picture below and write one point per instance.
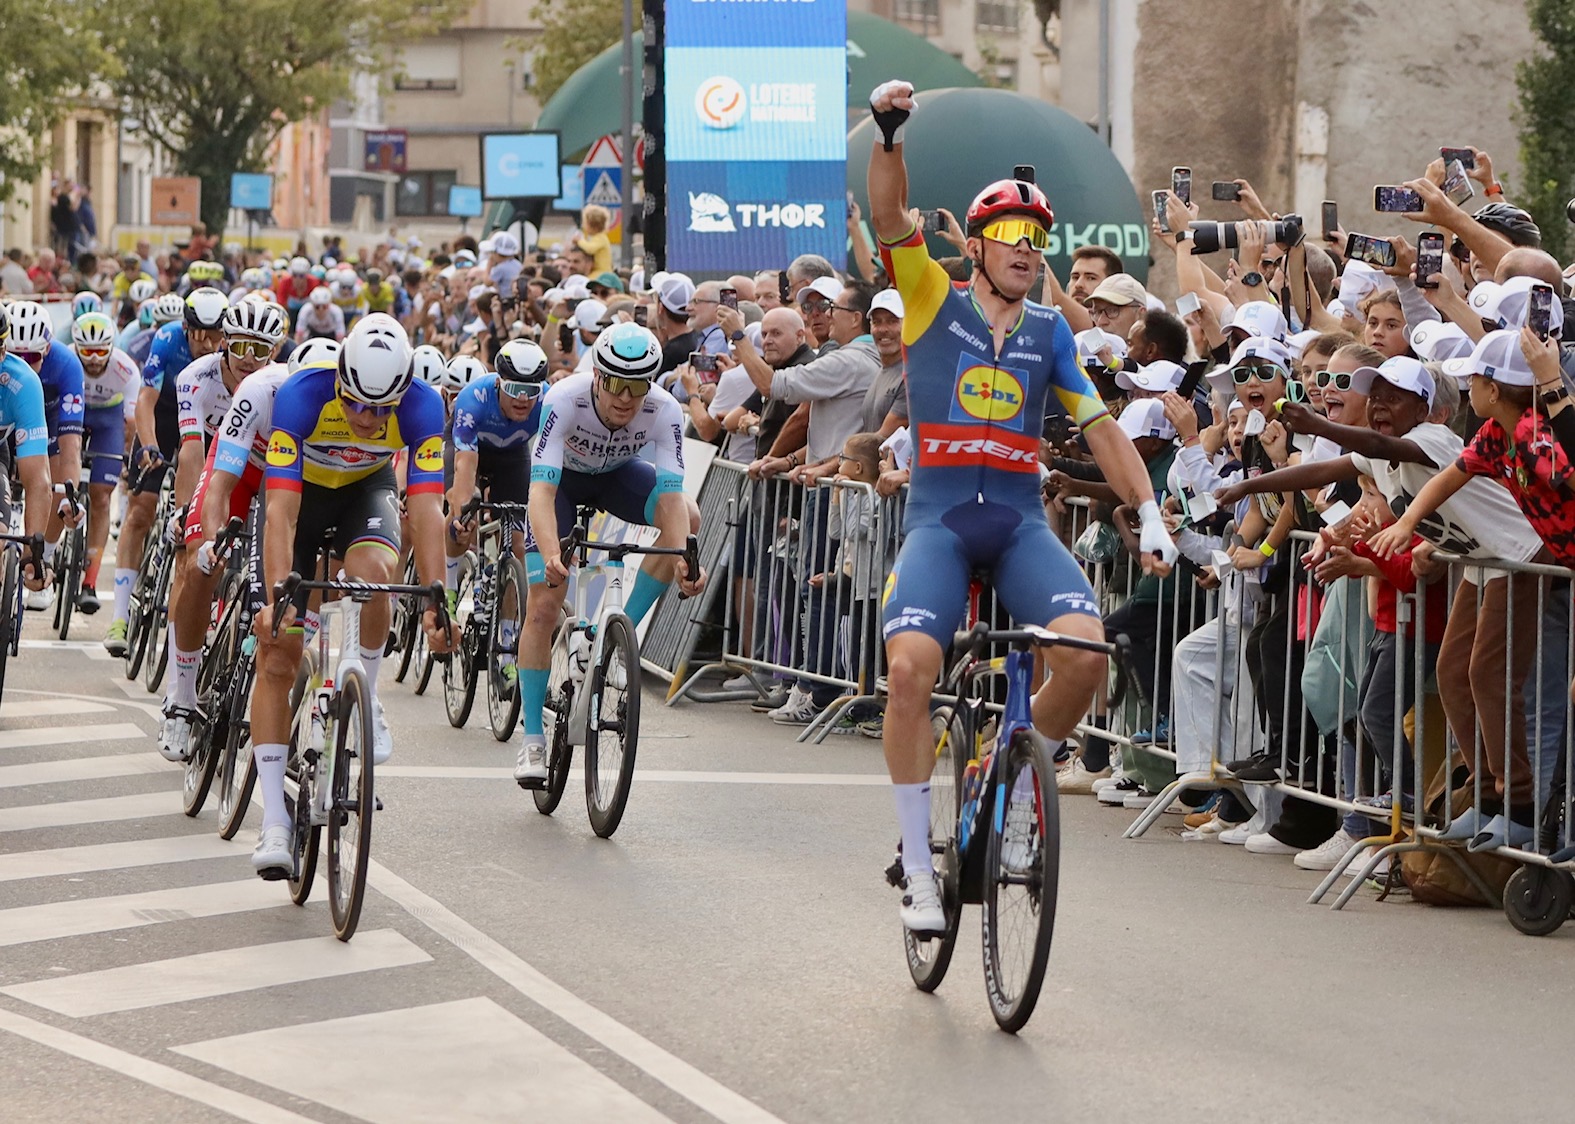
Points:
(678, 1075)
(53, 920)
(641, 776)
(92, 649)
(238, 1105)
(64, 735)
(210, 974)
(108, 809)
(133, 690)
(84, 769)
(467, 1060)
(41, 708)
(113, 856)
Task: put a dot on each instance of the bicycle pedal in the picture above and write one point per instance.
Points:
(273, 874)
(532, 783)
(377, 803)
(894, 872)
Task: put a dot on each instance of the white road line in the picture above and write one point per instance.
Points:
(108, 809)
(114, 856)
(468, 1060)
(53, 920)
(210, 974)
(65, 735)
(41, 708)
(678, 1075)
(92, 649)
(85, 768)
(641, 776)
(133, 690)
(170, 1080)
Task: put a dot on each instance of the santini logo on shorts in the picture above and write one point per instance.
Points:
(954, 446)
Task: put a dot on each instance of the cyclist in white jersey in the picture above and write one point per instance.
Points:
(110, 381)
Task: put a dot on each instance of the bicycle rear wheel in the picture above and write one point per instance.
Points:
(1021, 873)
(137, 621)
(929, 957)
(508, 616)
(213, 721)
(614, 726)
(424, 661)
(157, 615)
(459, 670)
(350, 819)
(307, 834)
(555, 723)
(10, 607)
(237, 773)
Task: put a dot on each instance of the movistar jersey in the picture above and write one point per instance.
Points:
(167, 357)
(313, 442)
(976, 415)
(22, 407)
(479, 420)
(575, 439)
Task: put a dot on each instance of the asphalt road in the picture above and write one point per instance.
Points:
(733, 954)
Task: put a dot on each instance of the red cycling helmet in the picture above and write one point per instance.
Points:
(1008, 197)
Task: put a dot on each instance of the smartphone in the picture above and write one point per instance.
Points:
(1181, 183)
(784, 289)
(704, 365)
(1025, 172)
(1225, 191)
(1397, 200)
(1187, 304)
(934, 221)
(1457, 185)
(1467, 158)
(1429, 258)
(1539, 310)
(640, 313)
(1160, 199)
(729, 299)
(1331, 219)
(565, 337)
(1373, 251)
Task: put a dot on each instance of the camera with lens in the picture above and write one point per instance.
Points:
(1209, 237)
(1569, 210)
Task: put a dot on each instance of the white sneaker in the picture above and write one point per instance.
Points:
(1237, 836)
(795, 698)
(1115, 795)
(1076, 780)
(40, 600)
(1017, 837)
(616, 679)
(1327, 855)
(1139, 800)
(921, 912)
(1265, 844)
(738, 683)
(382, 736)
(273, 850)
(175, 734)
(532, 762)
(801, 713)
(1380, 871)
(1100, 784)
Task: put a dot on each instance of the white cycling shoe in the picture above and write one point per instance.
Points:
(175, 734)
(272, 857)
(382, 736)
(532, 763)
(921, 913)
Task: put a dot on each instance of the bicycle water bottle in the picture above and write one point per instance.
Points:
(972, 785)
(579, 654)
(325, 699)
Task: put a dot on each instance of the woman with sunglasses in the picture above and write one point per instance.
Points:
(110, 381)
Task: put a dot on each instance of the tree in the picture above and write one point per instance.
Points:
(1547, 122)
(48, 55)
(573, 32)
(215, 82)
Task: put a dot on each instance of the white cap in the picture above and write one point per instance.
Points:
(1484, 299)
(1259, 318)
(464, 254)
(1515, 302)
(828, 287)
(637, 281)
(675, 291)
(476, 291)
(1120, 289)
(1156, 378)
(1438, 340)
(1497, 356)
(587, 313)
(1358, 280)
(505, 244)
(1091, 341)
(1336, 309)
(1261, 347)
(888, 300)
(487, 245)
(552, 297)
(1401, 371)
(1298, 341)
(1146, 418)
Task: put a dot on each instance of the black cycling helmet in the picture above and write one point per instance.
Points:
(1512, 223)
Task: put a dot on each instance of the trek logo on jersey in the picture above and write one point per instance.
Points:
(994, 395)
(429, 455)
(282, 450)
(956, 446)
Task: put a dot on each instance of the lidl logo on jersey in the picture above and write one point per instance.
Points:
(429, 455)
(282, 450)
(989, 394)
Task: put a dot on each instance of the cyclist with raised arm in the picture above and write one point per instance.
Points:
(593, 428)
(982, 364)
(26, 450)
(252, 332)
(109, 393)
(336, 431)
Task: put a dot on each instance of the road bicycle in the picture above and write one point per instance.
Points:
(407, 637)
(330, 753)
(995, 836)
(593, 684)
(491, 609)
(11, 588)
(223, 683)
(148, 612)
(70, 561)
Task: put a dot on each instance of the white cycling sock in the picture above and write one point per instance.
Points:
(183, 674)
(913, 818)
(270, 778)
(124, 580)
(49, 551)
(451, 572)
(373, 659)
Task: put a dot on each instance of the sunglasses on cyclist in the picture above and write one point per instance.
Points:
(1263, 374)
(519, 389)
(31, 358)
(249, 349)
(617, 384)
(1013, 231)
(1342, 380)
(356, 406)
(93, 352)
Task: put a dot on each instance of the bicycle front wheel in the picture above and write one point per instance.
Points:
(10, 607)
(70, 583)
(929, 957)
(508, 617)
(237, 772)
(157, 614)
(307, 834)
(614, 726)
(1022, 870)
(350, 818)
(137, 623)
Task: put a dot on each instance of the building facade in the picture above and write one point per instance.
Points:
(1002, 41)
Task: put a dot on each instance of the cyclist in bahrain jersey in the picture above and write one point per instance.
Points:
(982, 361)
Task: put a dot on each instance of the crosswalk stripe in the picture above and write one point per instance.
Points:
(108, 809)
(83, 769)
(642, 776)
(92, 649)
(51, 921)
(209, 974)
(42, 708)
(439, 1062)
(113, 856)
(65, 735)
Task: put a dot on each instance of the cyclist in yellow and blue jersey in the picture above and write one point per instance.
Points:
(982, 361)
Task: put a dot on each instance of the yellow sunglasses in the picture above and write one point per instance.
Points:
(1013, 231)
(254, 349)
(617, 384)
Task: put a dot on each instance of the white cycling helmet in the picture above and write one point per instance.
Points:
(93, 329)
(31, 329)
(281, 265)
(170, 306)
(141, 290)
(426, 363)
(299, 266)
(253, 278)
(521, 361)
(462, 370)
(320, 296)
(628, 351)
(374, 364)
(256, 320)
(205, 308)
(314, 353)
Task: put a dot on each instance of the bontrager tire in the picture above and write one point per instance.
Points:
(70, 584)
(928, 958)
(406, 622)
(350, 818)
(237, 772)
(157, 614)
(137, 622)
(614, 726)
(1019, 903)
(10, 607)
(425, 662)
(211, 729)
(459, 670)
(307, 835)
(503, 691)
(555, 724)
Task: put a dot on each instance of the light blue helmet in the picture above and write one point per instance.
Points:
(629, 351)
(86, 301)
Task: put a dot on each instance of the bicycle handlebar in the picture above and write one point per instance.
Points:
(33, 544)
(973, 640)
(227, 539)
(293, 583)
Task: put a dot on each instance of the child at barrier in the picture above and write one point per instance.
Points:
(860, 567)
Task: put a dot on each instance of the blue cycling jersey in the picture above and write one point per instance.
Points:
(139, 346)
(61, 377)
(479, 420)
(22, 407)
(167, 357)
